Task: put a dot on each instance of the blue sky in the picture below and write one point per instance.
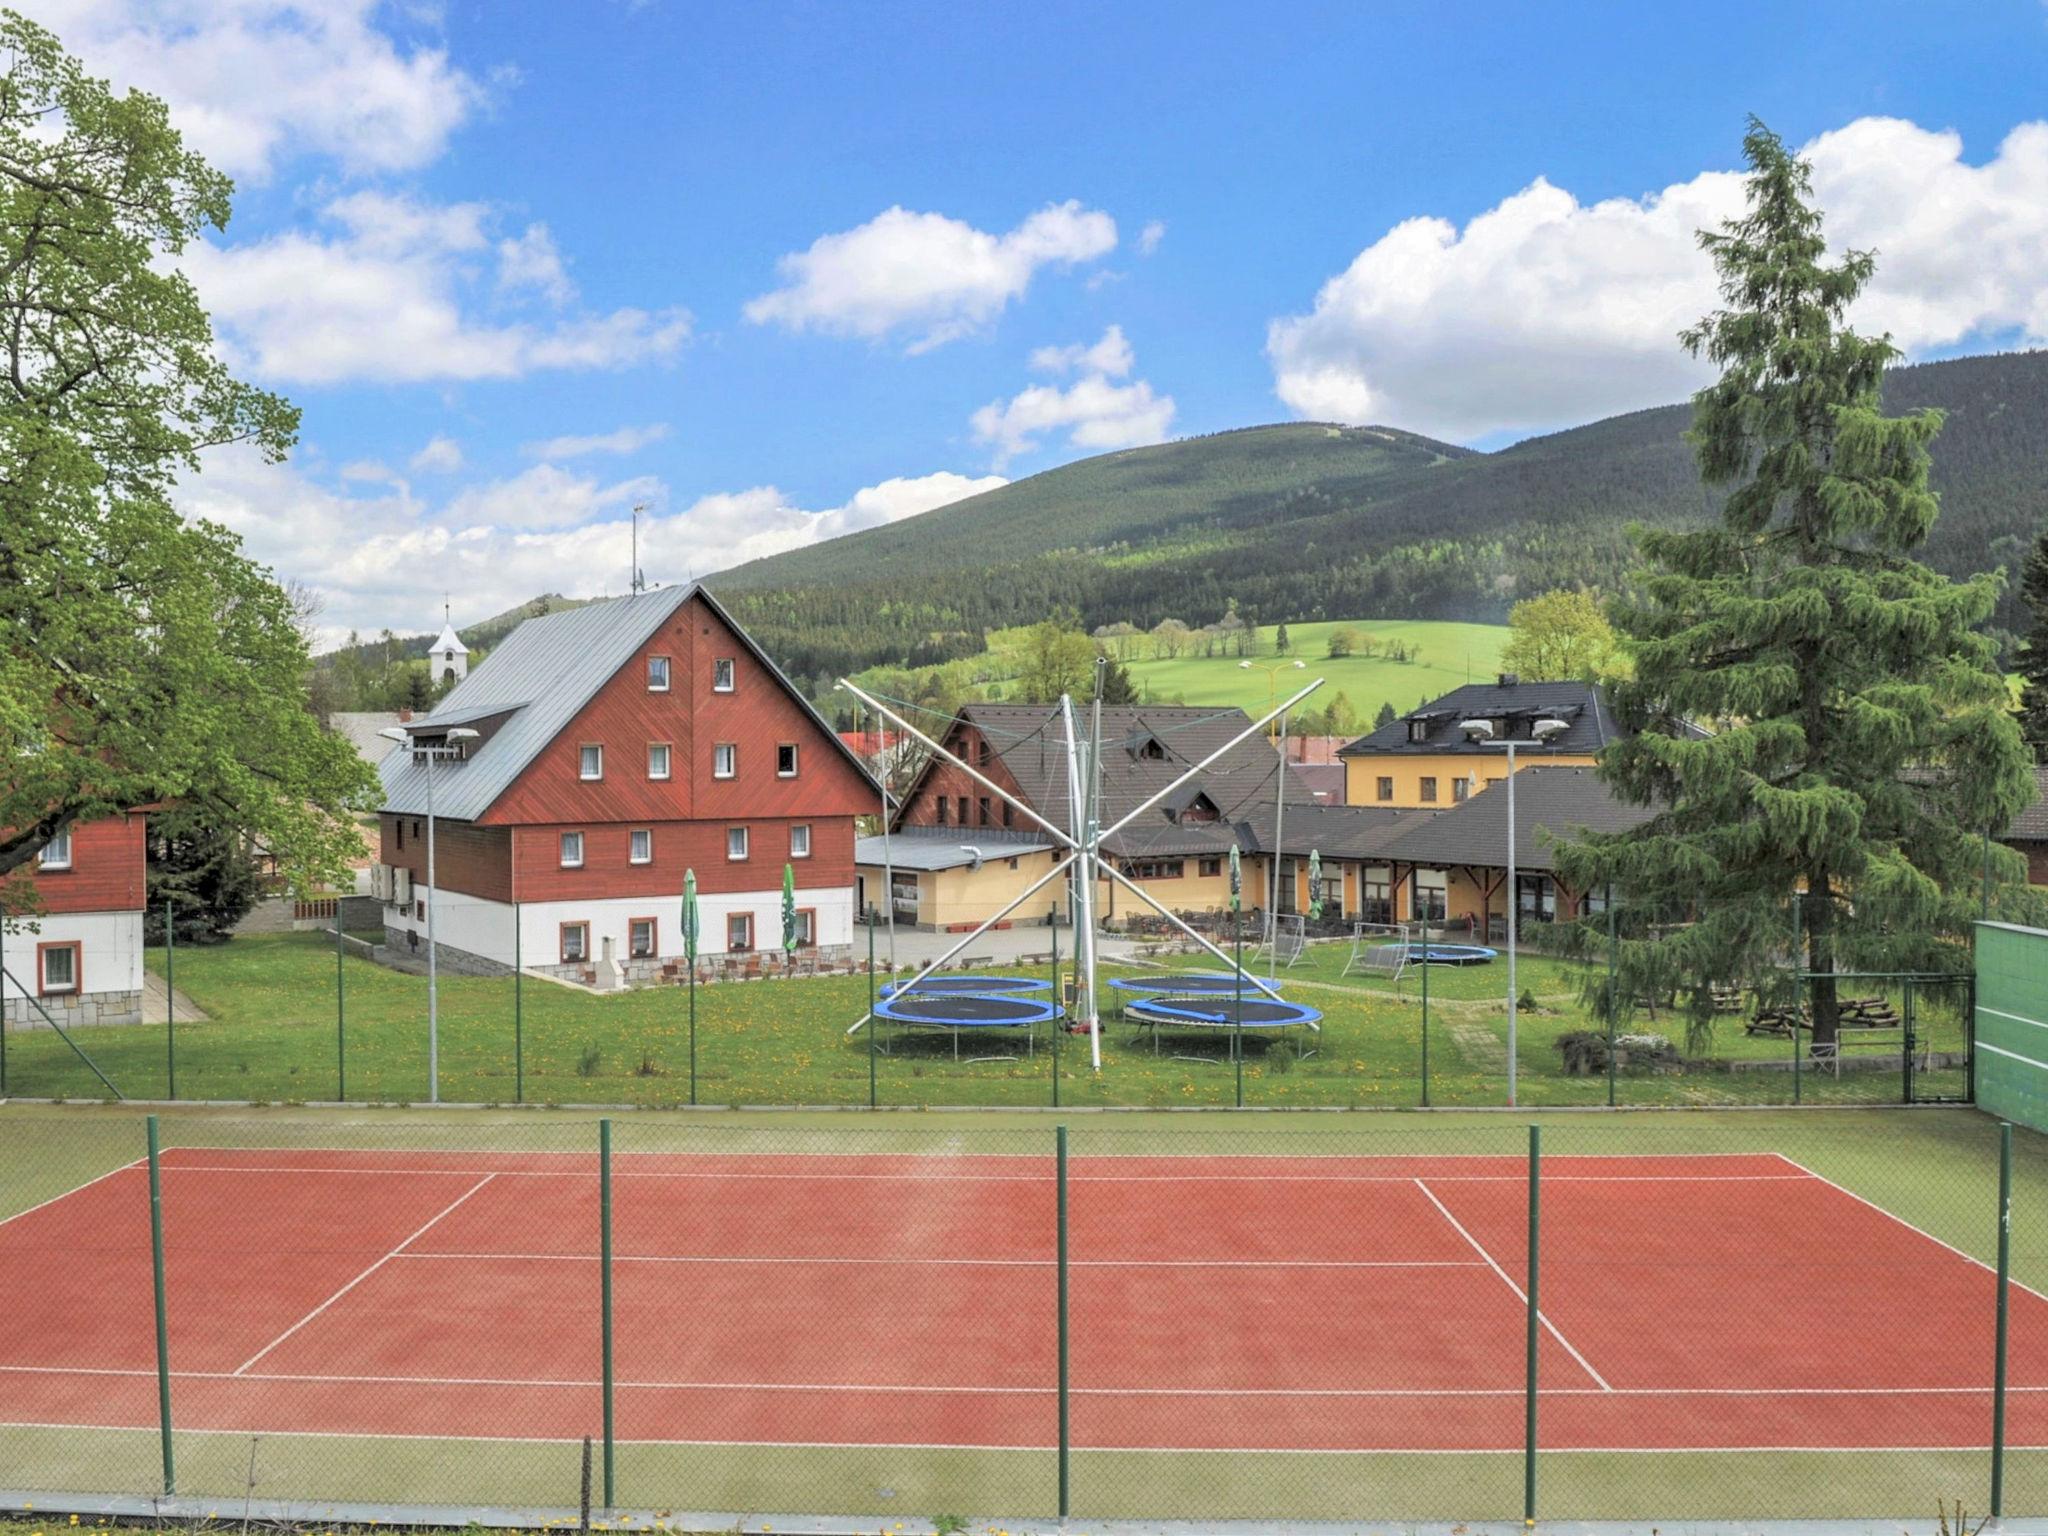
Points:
(780, 271)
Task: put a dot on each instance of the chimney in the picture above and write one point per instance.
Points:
(1508, 680)
(404, 714)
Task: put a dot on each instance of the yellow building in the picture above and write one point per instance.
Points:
(1425, 760)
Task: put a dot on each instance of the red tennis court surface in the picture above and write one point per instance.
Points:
(1282, 1303)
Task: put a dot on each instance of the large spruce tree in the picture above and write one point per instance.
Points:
(1860, 742)
(2032, 660)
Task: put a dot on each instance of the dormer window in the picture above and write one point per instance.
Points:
(1418, 730)
(1148, 749)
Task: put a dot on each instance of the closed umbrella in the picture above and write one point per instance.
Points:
(1315, 885)
(789, 909)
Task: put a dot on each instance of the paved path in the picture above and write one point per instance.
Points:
(155, 1003)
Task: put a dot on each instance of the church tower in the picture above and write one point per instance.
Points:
(448, 662)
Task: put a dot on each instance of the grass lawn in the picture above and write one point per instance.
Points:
(1447, 656)
(272, 1036)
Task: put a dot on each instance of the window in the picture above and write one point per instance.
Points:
(398, 826)
(1460, 788)
(657, 674)
(1157, 869)
(572, 850)
(657, 759)
(785, 760)
(1428, 789)
(800, 840)
(735, 843)
(1431, 896)
(590, 761)
(722, 675)
(1418, 730)
(1212, 867)
(56, 852)
(1386, 788)
(806, 927)
(984, 753)
(1006, 813)
(640, 938)
(981, 808)
(575, 943)
(942, 803)
(960, 806)
(59, 964)
(739, 930)
(640, 845)
(725, 761)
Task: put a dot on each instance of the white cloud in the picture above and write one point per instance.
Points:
(936, 277)
(1111, 355)
(1543, 311)
(1150, 236)
(532, 261)
(252, 82)
(622, 441)
(1094, 411)
(365, 469)
(441, 455)
(392, 295)
(385, 558)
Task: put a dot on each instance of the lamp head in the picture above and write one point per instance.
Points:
(1477, 730)
(461, 733)
(394, 733)
(1547, 731)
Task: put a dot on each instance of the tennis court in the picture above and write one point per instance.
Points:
(882, 1306)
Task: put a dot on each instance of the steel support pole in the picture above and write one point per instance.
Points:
(1060, 1227)
(1514, 916)
(519, 1013)
(170, 998)
(433, 967)
(604, 1203)
(1534, 1324)
(2004, 1300)
(340, 1014)
(1279, 850)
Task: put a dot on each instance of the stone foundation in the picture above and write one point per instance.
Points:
(75, 1012)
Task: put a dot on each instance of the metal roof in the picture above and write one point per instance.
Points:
(920, 848)
(541, 676)
(1550, 804)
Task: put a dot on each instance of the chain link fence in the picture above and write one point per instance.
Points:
(1629, 1317)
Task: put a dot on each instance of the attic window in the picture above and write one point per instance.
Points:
(722, 675)
(1147, 749)
(1418, 730)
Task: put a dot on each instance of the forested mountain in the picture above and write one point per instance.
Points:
(1307, 521)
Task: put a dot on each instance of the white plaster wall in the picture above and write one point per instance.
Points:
(111, 956)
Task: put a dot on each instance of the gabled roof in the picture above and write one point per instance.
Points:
(1581, 705)
(540, 677)
(2031, 824)
(1030, 740)
(1334, 831)
(1551, 804)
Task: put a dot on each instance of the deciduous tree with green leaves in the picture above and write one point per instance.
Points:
(143, 658)
(1558, 637)
(1861, 742)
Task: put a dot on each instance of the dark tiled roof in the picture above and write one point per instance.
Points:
(1550, 803)
(1324, 780)
(1580, 705)
(2031, 824)
(1334, 831)
(1144, 749)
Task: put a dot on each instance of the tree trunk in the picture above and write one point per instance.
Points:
(1822, 999)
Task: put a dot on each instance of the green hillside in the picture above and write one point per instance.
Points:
(1311, 523)
(1445, 657)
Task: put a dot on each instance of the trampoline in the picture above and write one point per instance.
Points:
(1188, 984)
(1262, 1016)
(957, 985)
(954, 1011)
(1452, 954)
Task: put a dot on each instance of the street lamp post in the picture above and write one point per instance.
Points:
(1272, 670)
(1480, 733)
(446, 749)
(1277, 734)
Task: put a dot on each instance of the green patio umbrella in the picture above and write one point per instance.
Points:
(1315, 885)
(1236, 881)
(788, 909)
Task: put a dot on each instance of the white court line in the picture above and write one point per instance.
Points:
(1035, 1449)
(1918, 1231)
(140, 1162)
(901, 1263)
(359, 1279)
(1584, 1364)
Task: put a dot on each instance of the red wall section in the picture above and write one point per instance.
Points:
(624, 717)
(944, 780)
(108, 863)
(678, 846)
(474, 860)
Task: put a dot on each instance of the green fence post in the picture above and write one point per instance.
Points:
(3, 1002)
(163, 1345)
(518, 1014)
(340, 1014)
(170, 1000)
(1906, 1039)
(2004, 1297)
(1066, 1443)
(1529, 1388)
(1613, 1006)
(1059, 1018)
(604, 1206)
(1425, 1014)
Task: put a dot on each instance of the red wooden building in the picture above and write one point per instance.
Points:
(82, 963)
(619, 745)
